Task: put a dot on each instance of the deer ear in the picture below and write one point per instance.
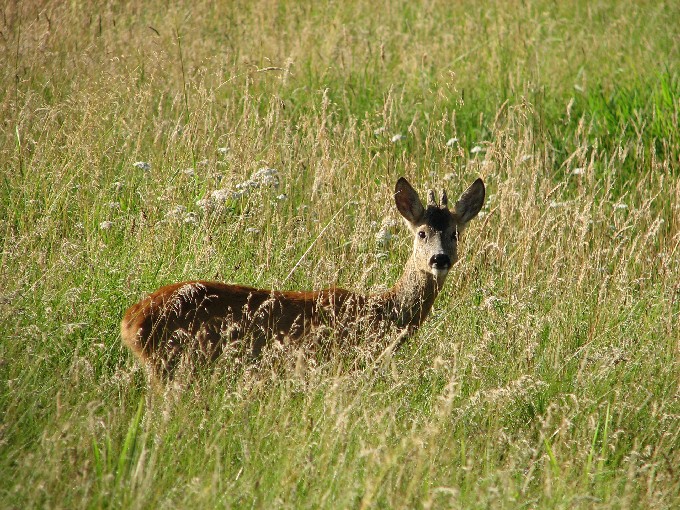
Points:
(408, 202)
(471, 201)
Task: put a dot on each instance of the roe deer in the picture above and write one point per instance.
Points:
(205, 318)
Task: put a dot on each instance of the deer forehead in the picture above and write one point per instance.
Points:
(437, 219)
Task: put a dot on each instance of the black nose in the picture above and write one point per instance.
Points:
(440, 261)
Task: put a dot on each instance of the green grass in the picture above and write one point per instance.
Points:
(547, 375)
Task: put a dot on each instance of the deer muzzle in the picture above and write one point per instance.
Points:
(440, 263)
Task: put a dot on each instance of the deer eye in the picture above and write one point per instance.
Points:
(422, 234)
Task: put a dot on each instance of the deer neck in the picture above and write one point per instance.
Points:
(408, 303)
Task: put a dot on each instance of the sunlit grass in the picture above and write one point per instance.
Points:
(131, 141)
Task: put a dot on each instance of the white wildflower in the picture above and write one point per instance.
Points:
(206, 204)
(476, 149)
(142, 165)
(252, 230)
(222, 150)
(490, 302)
(266, 177)
(191, 219)
(578, 171)
(176, 213)
(383, 237)
(379, 131)
(214, 200)
(105, 225)
(221, 195)
(189, 172)
(237, 195)
(556, 205)
(282, 197)
(620, 206)
(247, 185)
(398, 137)
(218, 197)
(117, 186)
(525, 158)
(449, 177)
(451, 142)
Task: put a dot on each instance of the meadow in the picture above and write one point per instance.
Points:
(548, 374)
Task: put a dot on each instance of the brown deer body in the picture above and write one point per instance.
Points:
(207, 318)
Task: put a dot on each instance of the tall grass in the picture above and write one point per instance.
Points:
(547, 375)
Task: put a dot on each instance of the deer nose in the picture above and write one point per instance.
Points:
(440, 261)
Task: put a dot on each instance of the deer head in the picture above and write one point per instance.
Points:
(436, 229)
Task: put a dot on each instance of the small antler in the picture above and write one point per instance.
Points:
(445, 200)
(430, 198)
